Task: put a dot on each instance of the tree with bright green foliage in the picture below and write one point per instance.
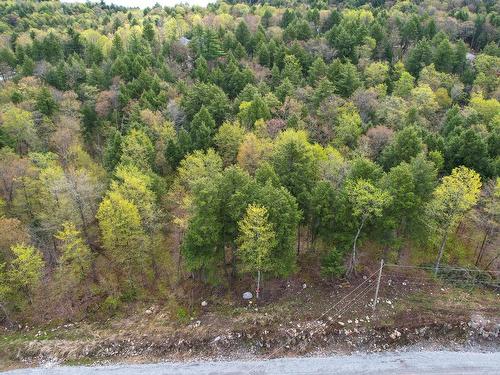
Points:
(18, 126)
(348, 127)
(122, 234)
(454, 196)
(228, 140)
(292, 69)
(75, 261)
(20, 278)
(137, 149)
(404, 85)
(252, 111)
(285, 216)
(368, 203)
(255, 241)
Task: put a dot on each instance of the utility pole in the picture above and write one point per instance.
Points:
(378, 284)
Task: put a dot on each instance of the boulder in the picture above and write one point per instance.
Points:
(247, 295)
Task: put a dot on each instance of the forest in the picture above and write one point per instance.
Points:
(146, 151)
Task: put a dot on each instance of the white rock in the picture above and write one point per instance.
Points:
(247, 295)
(395, 334)
(204, 303)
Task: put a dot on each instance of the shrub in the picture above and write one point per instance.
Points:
(332, 264)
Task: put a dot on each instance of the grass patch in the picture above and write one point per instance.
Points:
(78, 362)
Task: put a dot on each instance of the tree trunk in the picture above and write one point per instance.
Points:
(441, 250)
(298, 240)
(28, 202)
(352, 263)
(180, 234)
(385, 253)
(491, 262)
(233, 262)
(257, 292)
(481, 249)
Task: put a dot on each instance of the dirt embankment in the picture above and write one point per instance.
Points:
(316, 337)
(295, 318)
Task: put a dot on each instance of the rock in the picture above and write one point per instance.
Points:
(247, 295)
(304, 286)
(485, 327)
(149, 312)
(396, 334)
(204, 303)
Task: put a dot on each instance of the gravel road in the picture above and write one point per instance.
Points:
(402, 363)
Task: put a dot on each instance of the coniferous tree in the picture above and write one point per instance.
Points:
(201, 130)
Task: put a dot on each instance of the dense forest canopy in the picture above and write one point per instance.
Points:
(139, 148)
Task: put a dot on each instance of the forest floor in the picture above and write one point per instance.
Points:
(296, 317)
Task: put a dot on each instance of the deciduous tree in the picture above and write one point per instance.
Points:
(368, 203)
(255, 241)
(455, 195)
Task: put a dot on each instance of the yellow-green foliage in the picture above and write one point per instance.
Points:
(121, 231)
(256, 240)
(20, 279)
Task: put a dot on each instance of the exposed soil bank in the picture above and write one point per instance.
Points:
(307, 338)
(408, 316)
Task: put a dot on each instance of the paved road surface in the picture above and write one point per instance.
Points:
(410, 363)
